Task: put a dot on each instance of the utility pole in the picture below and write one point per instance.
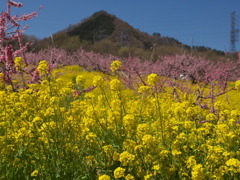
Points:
(52, 40)
(101, 35)
(153, 54)
(124, 39)
(182, 50)
(233, 33)
(191, 46)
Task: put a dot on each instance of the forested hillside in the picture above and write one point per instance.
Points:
(106, 34)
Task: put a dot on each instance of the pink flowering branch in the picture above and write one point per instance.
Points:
(14, 4)
(10, 31)
(78, 93)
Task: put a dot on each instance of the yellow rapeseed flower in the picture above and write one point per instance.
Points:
(115, 65)
(119, 172)
(234, 165)
(91, 135)
(115, 84)
(129, 121)
(148, 177)
(211, 117)
(104, 177)
(156, 168)
(218, 105)
(115, 156)
(126, 158)
(143, 129)
(148, 140)
(37, 120)
(197, 172)
(152, 79)
(237, 85)
(219, 172)
(80, 79)
(129, 177)
(42, 67)
(1, 77)
(108, 149)
(34, 173)
(98, 80)
(191, 161)
(144, 89)
(19, 63)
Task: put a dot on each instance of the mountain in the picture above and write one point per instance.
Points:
(105, 33)
(104, 25)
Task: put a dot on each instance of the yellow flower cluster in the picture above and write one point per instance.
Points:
(34, 173)
(119, 172)
(1, 77)
(115, 84)
(80, 79)
(19, 63)
(234, 165)
(42, 67)
(104, 177)
(98, 80)
(115, 65)
(237, 85)
(144, 89)
(112, 132)
(152, 79)
(126, 158)
(2, 84)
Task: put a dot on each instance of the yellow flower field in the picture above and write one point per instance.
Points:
(111, 132)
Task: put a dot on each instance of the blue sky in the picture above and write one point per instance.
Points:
(192, 22)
